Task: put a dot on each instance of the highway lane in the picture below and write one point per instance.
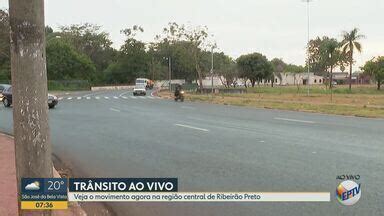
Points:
(218, 148)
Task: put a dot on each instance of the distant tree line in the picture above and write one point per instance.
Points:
(85, 52)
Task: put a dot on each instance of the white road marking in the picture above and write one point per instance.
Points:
(295, 120)
(262, 141)
(124, 97)
(93, 93)
(115, 110)
(88, 98)
(191, 127)
(78, 98)
(124, 93)
(115, 97)
(69, 98)
(106, 98)
(97, 98)
(133, 97)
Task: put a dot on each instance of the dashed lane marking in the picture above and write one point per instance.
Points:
(192, 127)
(114, 110)
(295, 120)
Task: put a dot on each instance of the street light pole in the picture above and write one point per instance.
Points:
(212, 71)
(330, 77)
(308, 54)
(170, 73)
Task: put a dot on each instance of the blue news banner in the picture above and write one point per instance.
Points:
(123, 185)
(119, 189)
(54, 193)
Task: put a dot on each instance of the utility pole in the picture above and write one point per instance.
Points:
(29, 87)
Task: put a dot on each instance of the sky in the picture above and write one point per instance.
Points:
(275, 28)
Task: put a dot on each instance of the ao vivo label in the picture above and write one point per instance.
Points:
(123, 185)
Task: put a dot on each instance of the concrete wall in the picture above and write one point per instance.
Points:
(164, 84)
(287, 79)
(100, 88)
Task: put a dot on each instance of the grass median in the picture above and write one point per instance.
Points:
(363, 101)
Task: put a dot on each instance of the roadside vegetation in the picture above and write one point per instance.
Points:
(363, 101)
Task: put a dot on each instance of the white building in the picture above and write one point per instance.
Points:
(298, 79)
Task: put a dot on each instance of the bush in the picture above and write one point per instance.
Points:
(68, 85)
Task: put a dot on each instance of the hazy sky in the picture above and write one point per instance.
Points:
(276, 28)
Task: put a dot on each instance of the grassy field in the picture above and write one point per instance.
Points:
(364, 101)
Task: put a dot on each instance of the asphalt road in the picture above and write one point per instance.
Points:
(218, 148)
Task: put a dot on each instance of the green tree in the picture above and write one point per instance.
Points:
(90, 40)
(5, 68)
(320, 50)
(65, 63)
(375, 68)
(316, 60)
(224, 67)
(330, 52)
(179, 52)
(196, 40)
(254, 67)
(349, 44)
(132, 62)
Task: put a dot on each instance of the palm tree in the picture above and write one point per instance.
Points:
(349, 44)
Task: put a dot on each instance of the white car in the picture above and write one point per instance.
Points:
(139, 90)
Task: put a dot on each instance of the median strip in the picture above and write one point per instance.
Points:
(191, 127)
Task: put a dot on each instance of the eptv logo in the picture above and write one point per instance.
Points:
(348, 192)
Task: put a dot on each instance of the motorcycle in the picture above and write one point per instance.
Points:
(180, 96)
